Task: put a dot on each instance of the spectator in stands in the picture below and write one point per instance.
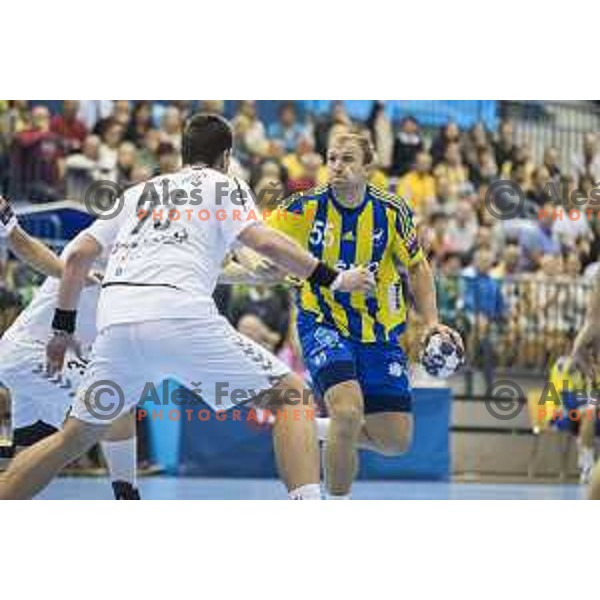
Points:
(292, 162)
(262, 313)
(484, 308)
(212, 106)
(520, 168)
(17, 118)
(437, 241)
(141, 122)
(540, 186)
(169, 161)
(170, 131)
(449, 289)
(418, 185)
(571, 225)
(407, 144)
(92, 112)
(587, 163)
(70, 129)
(445, 200)
(82, 168)
(509, 263)
(122, 113)
(538, 240)
(141, 173)
(126, 160)
(453, 170)
(150, 148)
(382, 135)
(463, 227)
(314, 173)
(269, 193)
(37, 160)
(112, 135)
(475, 143)
(551, 163)
(251, 133)
(484, 169)
(504, 147)
(287, 131)
(449, 135)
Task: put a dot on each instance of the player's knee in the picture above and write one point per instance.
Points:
(345, 408)
(395, 446)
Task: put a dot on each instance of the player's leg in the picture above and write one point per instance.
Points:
(594, 489)
(344, 403)
(110, 388)
(294, 437)
(387, 433)
(215, 353)
(331, 363)
(585, 445)
(119, 450)
(383, 374)
(34, 468)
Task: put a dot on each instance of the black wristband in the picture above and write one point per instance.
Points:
(323, 275)
(64, 320)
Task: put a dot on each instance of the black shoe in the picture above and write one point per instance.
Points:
(125, 491)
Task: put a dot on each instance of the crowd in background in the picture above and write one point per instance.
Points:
(518, 284)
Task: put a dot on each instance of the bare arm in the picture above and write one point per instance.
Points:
(293, 259)
(34, 253)
(77, 266)
(423, 288)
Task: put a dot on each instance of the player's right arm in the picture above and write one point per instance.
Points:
(291, 257)
(82, 255)
(27, 248)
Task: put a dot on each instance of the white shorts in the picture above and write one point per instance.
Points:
(35, 397)
(223, 368)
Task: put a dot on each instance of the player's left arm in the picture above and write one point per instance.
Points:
(27, 248)
(32, 252)
(422, 283)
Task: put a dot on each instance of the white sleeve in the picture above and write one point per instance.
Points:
(8, 219)
(240, 211)
(105, 231)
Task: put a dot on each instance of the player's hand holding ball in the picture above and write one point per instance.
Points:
(443, 352)
(359, 279)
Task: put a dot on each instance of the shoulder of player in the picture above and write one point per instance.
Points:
(392, 201)
(300, 200)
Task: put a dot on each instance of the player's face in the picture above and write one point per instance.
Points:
(345, 164)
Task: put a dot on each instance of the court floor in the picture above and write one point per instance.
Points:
(180, 488)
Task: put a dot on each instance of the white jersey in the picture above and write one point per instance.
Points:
(167, 268)
(34, 323)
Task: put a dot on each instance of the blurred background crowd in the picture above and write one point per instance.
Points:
(516, 288)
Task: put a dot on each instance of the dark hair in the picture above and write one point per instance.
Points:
(205, 138)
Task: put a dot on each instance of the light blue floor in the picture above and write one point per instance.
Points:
(172, 488)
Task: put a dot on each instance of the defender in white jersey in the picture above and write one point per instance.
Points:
(157, 319)
(40, 403)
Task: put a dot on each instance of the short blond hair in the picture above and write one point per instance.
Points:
(363, 141)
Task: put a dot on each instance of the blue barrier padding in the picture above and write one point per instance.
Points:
(240, 447)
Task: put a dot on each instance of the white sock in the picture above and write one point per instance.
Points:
(344, 497)
(586, 457)
(323, 428)
(121, 458)
(311, 491)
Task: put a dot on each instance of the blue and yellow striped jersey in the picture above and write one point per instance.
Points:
(379, 233)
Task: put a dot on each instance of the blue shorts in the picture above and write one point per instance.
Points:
(568, 422)
(380, 369)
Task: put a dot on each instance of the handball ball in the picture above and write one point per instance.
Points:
(441, 356)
